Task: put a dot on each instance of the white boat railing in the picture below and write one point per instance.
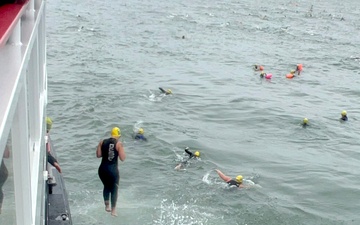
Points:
(23, 99)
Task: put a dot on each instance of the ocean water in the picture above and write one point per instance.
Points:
(106, 61)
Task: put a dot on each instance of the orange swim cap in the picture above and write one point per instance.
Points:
(261, 68)
(289, 75)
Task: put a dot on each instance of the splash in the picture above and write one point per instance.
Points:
(137, 126)
(155, 98)
(172, 213)
(206, 179)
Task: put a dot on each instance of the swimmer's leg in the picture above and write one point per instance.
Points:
(106, 195)
(114, 196)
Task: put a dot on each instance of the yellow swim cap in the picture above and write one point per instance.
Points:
(239, 179)
(48, 124)
(115, 132)
(343, 113)
(141, 131)
(262, 73)
(305, 121)
(197, 154)
(292, 71)
(169, 91)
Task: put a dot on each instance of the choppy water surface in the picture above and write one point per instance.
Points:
(106, 59)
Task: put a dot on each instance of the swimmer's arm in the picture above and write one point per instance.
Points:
(98, 149)
(121, 151)
(188, 152)
(162, 90)
(223, 176)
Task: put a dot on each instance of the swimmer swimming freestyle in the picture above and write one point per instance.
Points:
(237, 182)
(167, 92)
(194, 155)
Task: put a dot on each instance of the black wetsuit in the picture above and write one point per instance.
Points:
(186, 161)
(344, 118)
(140, 137)
(233, 183)
(3, 177)
(108, 170)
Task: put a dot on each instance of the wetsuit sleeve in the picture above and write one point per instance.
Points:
(51, 159)
(162, 90)
(190, 153)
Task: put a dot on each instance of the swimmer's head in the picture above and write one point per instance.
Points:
(262, 73)
(261, 68)
(141, 131)
(48, 124)
(239, 179)
(343, 113)
(168, 91)
(305, 121)
(292, 71)
(197, 154)
(115, 132)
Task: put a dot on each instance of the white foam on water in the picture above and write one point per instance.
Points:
(172, 213)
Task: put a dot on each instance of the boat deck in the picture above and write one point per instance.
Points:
(58, 210)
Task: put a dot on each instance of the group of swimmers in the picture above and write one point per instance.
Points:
(297, 70)
(260, 68)
(111, 149)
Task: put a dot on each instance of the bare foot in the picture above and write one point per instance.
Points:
(113, 212)
(107, 208)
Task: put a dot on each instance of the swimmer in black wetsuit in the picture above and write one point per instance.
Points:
(344, 116)
(185, 162)
(110, 149)
(3, 175)
(232, 182)
(305, 122)
(167, 92)
(140, 135)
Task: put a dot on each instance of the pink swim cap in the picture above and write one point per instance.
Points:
(268, 76)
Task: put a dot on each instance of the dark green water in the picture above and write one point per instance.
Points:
(106, 58)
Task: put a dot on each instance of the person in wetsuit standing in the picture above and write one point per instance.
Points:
(109, 150)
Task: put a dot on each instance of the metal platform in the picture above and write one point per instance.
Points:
(57, 205)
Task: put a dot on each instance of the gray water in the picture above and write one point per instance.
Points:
(105, 58)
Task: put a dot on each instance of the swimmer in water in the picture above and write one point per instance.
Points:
(262, 74)
(238, 181)
(140, 135)
(305, 122)
(258, 68)
(110, 150)
(299, 68)
(344, 116)
(291, 74)
(167, 92)
(194, 155)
